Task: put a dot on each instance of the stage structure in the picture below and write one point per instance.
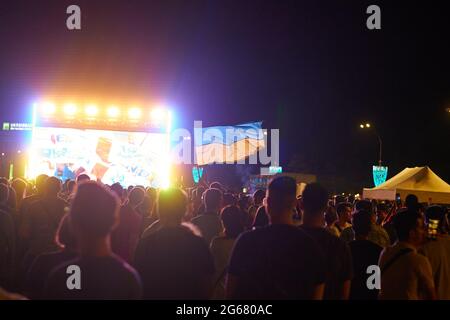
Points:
(129, 145)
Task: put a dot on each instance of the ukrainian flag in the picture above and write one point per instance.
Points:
(227, 144)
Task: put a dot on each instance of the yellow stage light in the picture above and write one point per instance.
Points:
(157, 115)
(361, 126)
(134, 113)
(113, 112)
(48, 108)
(70, 109)
(91, 110)
(367, 125)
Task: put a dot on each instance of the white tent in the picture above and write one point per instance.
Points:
(421, 181)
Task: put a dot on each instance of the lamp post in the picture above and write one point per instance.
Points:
(380, 142)
(379, 172)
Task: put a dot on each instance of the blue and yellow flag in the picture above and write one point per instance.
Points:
(228, 144)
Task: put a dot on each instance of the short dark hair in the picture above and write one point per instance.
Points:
(365, 205)
(117, 189)
(83, 178)
(412, 202)
(212, 199)
(315, 198)
(405, 221)
(136, 195)
(172, 202)
(330, 215)
(52, 186)
(94, 209)
(361, 223)
(340, 209)
(258, 196)
(232, 221)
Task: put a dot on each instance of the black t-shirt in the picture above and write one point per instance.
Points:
(276, 262)
(102, 278)
(174, 264)
(338, 261)
(364, 254)
(41, 268)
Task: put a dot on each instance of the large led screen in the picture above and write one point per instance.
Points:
(130, 158)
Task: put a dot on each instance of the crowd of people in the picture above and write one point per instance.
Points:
(211, 243)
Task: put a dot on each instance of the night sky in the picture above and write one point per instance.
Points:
(310, 68)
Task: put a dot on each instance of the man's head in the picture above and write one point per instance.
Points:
(216, 185)
(344, 211)
(412, 202)
(213, 200)
(4, 193)
(172, 205)
(232, 221)
(83, 178)
(314, 200)
(94, 210)
(52, 187)
(41, 181)
(258, 197)
(330, 216)
(365, 205)
(362, 223)
(229, 199)
(410, 227)
(281, 196)
(19, 185)
(117, 189)
(136, 196)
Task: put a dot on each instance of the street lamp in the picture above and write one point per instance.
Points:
(369, 126)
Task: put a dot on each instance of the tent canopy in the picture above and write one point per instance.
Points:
(421, 181)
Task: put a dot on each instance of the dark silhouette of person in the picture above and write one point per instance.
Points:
(279, 261)
(103, 275)
(174, 262)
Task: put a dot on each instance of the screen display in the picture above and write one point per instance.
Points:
(130, 158)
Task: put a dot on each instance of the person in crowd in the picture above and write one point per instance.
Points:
(46, 262)
(82, 178)
(125, 237)
(12, 202)
(279, 261)
(437, 250)
(173, 261)
(19, 186)
(38, 194)
(382, 213)
(258, 197)
(7, 241)
(221, 246)
(42, 221)
(338, 262)
(244, 205)
(364, 253)
(412, 202)
(378, 234)
(261, 218)
(343, 210)
(93, 215)
(406, 274)
(331, 219)
(229, 199)
(209, 223)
